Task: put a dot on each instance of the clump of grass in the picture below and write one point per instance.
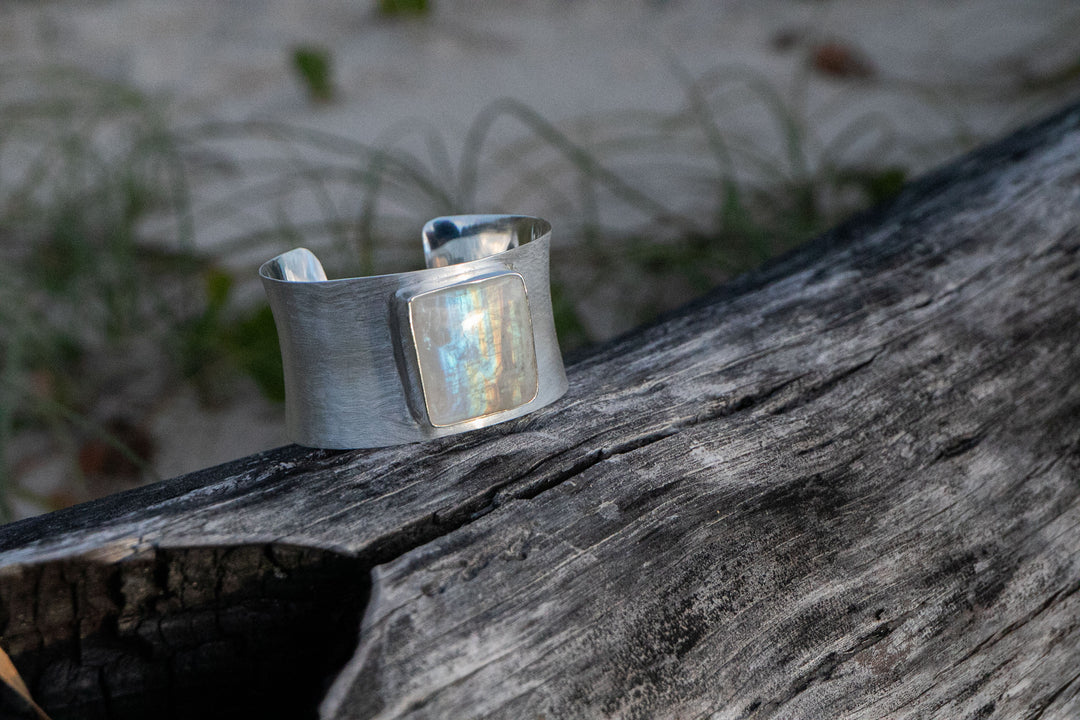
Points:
(397, 8)
(222, 338)
(104, 289)
(314, 67)
(750, 202)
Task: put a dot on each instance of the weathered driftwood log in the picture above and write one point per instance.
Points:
(845, 486)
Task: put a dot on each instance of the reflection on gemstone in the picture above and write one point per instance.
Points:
(474, 345)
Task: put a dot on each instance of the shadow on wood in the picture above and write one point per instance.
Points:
(195, 632)
(847, 485)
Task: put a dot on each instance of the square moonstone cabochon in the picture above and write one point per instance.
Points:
(474, 346)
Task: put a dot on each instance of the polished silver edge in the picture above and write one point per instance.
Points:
(299, 265)
(351, 376)
(307, 269)
(461, 238)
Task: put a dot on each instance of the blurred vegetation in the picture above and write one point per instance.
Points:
(104, 287)
(393, 8)
(109, 302)
(314, 67)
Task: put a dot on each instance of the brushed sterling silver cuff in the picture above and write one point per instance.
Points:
(390, 359)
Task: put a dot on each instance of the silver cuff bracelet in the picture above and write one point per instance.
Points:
(390, 359)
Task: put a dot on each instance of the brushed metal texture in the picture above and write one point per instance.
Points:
(351, 375)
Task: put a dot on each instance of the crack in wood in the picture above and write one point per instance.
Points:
(824, 669)
(1014, 626)
(1053, 698)
(959, 446)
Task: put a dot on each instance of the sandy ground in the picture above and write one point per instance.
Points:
(940, 74)
(938, 68)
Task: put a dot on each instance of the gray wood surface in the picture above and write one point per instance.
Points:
(847, 485)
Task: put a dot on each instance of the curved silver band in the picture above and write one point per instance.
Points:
(390, 359)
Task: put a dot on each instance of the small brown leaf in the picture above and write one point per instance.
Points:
(117, 452)
(840, 60)
(10, 677)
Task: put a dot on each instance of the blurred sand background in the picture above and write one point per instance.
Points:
(937, 76)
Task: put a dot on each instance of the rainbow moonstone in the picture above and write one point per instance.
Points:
(474, 345)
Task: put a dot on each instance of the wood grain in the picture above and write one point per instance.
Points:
(847, 485)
